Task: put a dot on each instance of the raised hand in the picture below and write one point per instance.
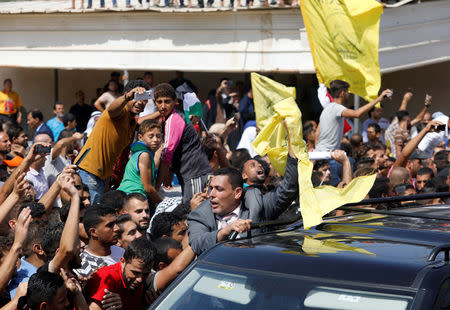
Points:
(20, 185)
(70, 282)
(21, 228)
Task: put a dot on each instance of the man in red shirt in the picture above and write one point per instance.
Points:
(125, 278)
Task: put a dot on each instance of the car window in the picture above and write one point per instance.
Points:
(213, 289)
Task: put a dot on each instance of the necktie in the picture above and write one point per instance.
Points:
(227, 220)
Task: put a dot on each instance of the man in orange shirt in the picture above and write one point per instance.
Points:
(10, 103)
(110, 136)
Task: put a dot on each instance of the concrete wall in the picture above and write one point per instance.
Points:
(36, 86)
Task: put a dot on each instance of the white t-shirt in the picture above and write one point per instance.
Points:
(430, 141)
(331, 128)
(107, 98)
(91, 262)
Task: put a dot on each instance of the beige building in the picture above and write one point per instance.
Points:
(50, 53)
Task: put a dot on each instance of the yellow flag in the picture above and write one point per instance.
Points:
(271, 140)
(343, 36)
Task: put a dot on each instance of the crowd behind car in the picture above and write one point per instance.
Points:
(104, 206)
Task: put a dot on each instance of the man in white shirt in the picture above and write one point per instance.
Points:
(103, 232)
(36, 173)
(331, 126)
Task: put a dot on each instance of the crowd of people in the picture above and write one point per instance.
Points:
(189, 4)
(104, 206)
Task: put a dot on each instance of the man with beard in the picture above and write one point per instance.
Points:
(253, 173)
(5, 148)
(380, 158)
(56, 124)
(111, 135)
(125, 278)
(103, 232)
(136, 206)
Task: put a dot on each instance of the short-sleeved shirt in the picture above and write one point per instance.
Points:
(10, 103)
(91, 262)
(382, 122)
(105, 143)
(55, 126)
(111, 278)
(331, 128)
(25, 271)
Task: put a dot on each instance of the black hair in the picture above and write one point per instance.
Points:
(164, 90)
(378, 147)
(400, 189)
(33, 237)
(162, 246)
(136, 83)
(373, 109)
(37, 114)
(65, 133)
(141, 249)
(337, 86)
(113, 199)
(57, 103)
(316, 178)
(441, 160)
(6, 243)
(238, 157)
(37, 209)
(307, 130)
(234, 176)
(401, 115)
(65, 208)
(69, 117)
(148, 73)
(14, 132)
(347, 148)
(365, 162)
(122, 219)
(42, 287)
(439, 182)
(162, 224)
(131, 196)
(320, 163)
(7, 80)
(380, 187)
(426, 170)
(376, 127)
(50, 238)
(93, 216)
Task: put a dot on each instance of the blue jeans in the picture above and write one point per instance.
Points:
(95, 184)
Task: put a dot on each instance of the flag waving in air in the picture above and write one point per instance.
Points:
(191, 106)
(271, 140)
(343, 36)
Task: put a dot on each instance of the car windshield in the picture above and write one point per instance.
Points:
(213, 289)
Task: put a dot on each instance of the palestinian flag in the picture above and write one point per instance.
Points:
(191, 106)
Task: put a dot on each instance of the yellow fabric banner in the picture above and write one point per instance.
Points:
(271, 140)
(343, 36)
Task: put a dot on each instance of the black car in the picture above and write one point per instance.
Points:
(393, 261)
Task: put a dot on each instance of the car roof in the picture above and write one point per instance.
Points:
(380, 249)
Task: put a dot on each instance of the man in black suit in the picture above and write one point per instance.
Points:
(229, 208)
(35, 120)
